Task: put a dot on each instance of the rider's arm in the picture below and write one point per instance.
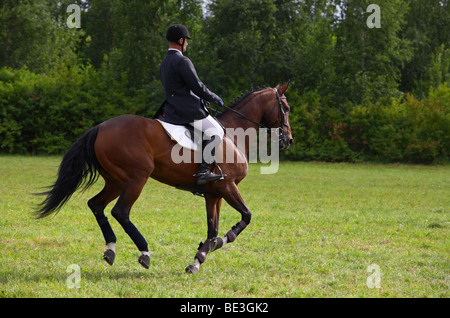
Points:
(189, 75)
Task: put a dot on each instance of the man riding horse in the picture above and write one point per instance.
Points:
(185, 98)
(127, 150)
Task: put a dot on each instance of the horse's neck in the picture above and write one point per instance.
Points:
(250, 108)
(235, 121)
(237, 124)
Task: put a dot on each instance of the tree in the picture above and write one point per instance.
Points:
(426, 29)
(368, 60)
(239, 39)
(311, 43)
(31, 37)
(132, 35)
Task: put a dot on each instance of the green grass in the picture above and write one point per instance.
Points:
(315, 229)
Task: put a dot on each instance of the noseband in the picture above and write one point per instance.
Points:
(281, 113)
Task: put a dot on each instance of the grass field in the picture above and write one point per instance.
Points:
(315, 230)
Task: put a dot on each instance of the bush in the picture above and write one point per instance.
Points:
(46, 113)
(392, 130)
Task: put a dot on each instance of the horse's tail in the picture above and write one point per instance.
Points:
(79, 168)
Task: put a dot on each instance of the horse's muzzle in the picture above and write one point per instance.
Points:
(285, 141)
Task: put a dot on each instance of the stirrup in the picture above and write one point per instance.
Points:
(208, 176)
(222, 176)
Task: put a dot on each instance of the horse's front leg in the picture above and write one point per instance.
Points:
(233, 198)
(213, 205)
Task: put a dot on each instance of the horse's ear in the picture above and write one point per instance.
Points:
(283, 88)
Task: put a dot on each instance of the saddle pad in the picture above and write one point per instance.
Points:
(182, 135)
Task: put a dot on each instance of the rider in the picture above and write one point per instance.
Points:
(185, 95)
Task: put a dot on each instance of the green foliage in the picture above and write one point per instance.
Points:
(391, 130)
(357, 93)
(30, 36)
(426, 31)
(46, 113)
(368, 61)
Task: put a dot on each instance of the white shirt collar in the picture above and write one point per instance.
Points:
(175, 50)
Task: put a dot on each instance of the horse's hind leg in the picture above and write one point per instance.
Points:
(97, 205)
(121, 213)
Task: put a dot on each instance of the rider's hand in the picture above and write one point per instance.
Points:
(221, 102)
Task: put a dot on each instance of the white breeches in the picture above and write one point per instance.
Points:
(209, 126)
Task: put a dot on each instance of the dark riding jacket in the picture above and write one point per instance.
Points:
(183, 89)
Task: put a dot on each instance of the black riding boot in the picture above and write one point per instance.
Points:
(203, 174)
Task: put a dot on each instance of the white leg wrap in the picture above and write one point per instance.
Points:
(225, 240)
(196, 263)
(111, 246)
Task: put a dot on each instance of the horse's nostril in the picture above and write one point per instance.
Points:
(291, 141)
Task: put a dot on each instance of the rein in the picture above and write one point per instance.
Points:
(246, 117)
(280, 117)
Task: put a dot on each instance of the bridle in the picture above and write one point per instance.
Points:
(280, 120)
(281, 114)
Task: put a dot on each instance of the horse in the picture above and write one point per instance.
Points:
(127, 150)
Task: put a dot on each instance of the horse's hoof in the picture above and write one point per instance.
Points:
(109, 256)
(144, 260)
(215, 243)
(191, 269)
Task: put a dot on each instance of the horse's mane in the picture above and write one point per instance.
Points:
(238, 100)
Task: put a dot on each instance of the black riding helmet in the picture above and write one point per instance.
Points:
(176, 32)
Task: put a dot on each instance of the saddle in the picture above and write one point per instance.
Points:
(182, 134)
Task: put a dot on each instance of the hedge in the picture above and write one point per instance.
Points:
(46, 113)
(392, 130)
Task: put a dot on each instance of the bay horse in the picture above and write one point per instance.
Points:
(129, 149)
